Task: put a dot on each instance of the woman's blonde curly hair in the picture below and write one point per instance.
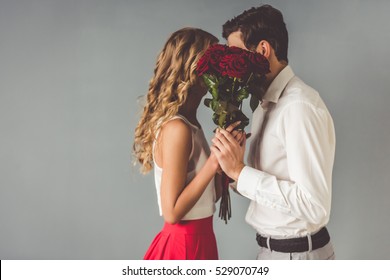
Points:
(174, 76)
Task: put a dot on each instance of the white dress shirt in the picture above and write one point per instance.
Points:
(291, 155)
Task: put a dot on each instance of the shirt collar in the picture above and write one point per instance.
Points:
(277, 86)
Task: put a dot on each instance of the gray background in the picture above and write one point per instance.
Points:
(71, 73)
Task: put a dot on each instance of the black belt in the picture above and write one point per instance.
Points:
(295, 245)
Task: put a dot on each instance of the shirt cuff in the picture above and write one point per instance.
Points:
(247, 182)
(262, 188)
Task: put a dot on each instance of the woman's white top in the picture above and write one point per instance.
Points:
(205, 206)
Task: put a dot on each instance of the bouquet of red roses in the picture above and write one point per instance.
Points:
(231, 75)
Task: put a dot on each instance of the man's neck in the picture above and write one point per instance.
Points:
(276, 67)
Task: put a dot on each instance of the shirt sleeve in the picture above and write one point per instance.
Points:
(307, 133)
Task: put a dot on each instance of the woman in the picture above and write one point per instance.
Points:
(170, 139)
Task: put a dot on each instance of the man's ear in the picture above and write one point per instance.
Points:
(264, 48)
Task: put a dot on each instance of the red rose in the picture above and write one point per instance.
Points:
(216, 53)
(209, 62)
(234, 65)
(259, 63)
(236, 50)
(202, 65)
(217, 48)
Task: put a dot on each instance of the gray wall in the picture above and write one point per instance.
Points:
(70, 75)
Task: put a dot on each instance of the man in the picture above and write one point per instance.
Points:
(289, 173)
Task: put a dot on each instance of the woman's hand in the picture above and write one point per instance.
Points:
(229, 148)
(239, 135)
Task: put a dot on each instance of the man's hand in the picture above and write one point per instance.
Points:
(229, 151)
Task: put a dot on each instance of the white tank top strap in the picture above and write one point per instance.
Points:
(178, 116)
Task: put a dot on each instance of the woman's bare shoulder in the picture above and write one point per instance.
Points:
(176, 127)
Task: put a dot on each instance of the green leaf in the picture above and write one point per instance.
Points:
(242, 94)
(215, 118)
(225, 89)
(212, 84)
(254, 102)
(221, 120)
(207, 102)
(221, 107)
(240, 116)
(214, 105)
(231, 108)
(211, 103)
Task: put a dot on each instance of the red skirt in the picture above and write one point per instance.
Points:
(186, 240)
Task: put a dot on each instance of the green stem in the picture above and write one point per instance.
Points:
(250, 76)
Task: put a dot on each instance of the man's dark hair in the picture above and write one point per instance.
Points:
(261, 23)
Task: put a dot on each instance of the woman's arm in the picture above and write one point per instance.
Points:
(177, 199)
